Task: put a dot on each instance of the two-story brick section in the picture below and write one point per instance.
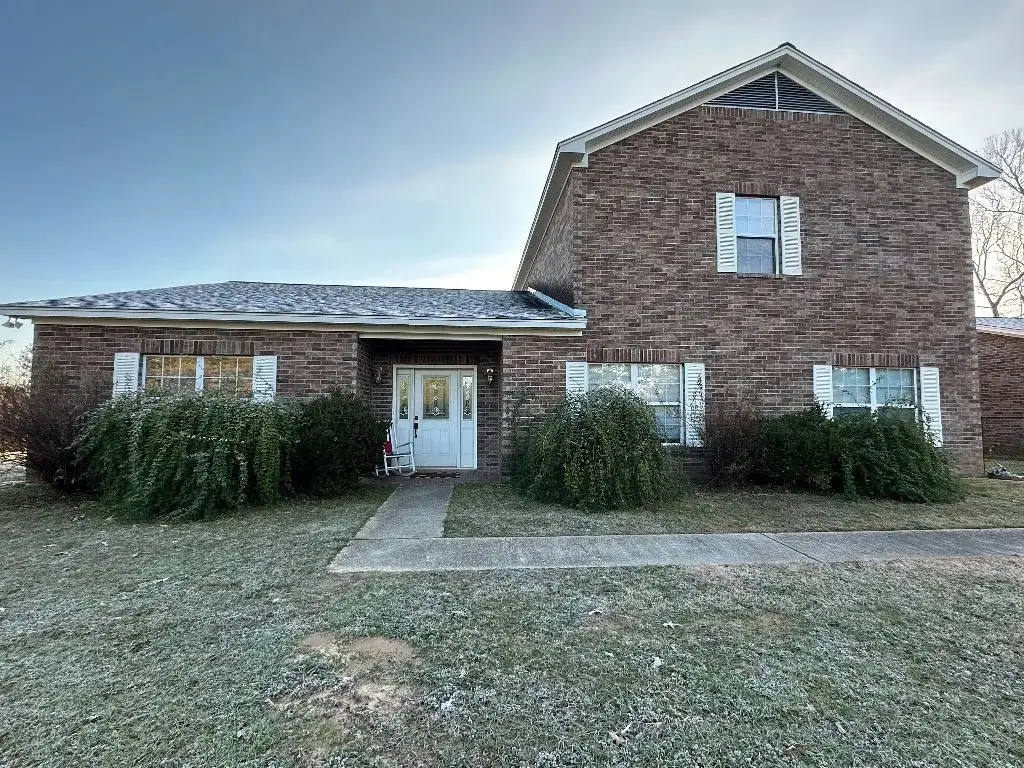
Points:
(774, 229)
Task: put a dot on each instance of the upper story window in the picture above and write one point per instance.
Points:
(757, 235)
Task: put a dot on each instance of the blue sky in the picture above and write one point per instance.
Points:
(145, 144)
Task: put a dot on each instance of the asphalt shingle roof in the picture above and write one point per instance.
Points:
(299, 299)
(1001, 323)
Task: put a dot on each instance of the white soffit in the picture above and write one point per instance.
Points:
(969, 169)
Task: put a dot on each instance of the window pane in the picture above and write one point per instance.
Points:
(609, 375)
(227, 374)
(403, 396)
(435, 397)
(669, 421)
(467, 397)
(851, 386)
(755, 217)
(170, 373)
(895, 386)
(756, 256)
(658, 383)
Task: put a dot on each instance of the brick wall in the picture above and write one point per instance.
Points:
(1001, 368)
(533, 375)
(309, 361)
(886, 257)
(554, 263)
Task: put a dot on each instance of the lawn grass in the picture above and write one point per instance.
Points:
(497, 510)
(225, 643)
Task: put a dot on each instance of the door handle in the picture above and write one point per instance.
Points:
(415, 427)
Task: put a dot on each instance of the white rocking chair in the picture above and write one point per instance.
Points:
(398, 459)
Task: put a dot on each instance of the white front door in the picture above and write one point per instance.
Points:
(444, 415)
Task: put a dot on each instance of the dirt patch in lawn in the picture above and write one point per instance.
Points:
(604, 623)
(367, 687)
(359, 654)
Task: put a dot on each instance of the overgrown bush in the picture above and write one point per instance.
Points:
(39, 420)
(339, 439)
(729, 427)
(187, 455)
(595, 451)
(888, 455)
(880, 455)
(796, 450)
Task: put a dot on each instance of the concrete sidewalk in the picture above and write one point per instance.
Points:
(414, 511)
(437, 554)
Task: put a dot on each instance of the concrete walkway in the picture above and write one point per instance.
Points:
(413, 511)
(387, 551)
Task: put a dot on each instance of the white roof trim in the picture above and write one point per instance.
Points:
(969, 169)
(276, 318)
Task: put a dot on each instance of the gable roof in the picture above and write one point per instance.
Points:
(969, 169)
(238, 301)
(1006, 326)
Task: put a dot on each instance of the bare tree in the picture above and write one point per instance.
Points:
(997, 227)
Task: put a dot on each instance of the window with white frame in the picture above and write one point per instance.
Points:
(757, 235)
(229, 374)
(659, 385)
(865, 390)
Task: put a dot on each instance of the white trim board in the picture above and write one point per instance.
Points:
(969, 169)
(274, 317)
(365, 331)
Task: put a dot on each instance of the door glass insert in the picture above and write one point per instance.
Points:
(467, 397)
(403, 396)
(435, 397)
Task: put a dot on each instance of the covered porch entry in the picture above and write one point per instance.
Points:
(443, 395)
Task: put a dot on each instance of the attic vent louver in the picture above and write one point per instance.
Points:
(777, 92)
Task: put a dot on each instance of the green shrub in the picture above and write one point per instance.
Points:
(187, 455)
(795, 450)
(339, 439)
(882, 455)
(596, 451)
(888, 455)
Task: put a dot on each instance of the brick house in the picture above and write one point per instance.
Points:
(775, 227)
(1001, 366)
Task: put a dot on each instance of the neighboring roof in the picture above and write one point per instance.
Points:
(970, 170)
(293, 302)
(1007, 326)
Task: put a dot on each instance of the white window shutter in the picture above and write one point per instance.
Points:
(694, 400)
(264, 378)
(200, 372)
(931, 404)
(789, 215)
(725, 231)
(126, 372)
(575, 377)
(823, 387)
